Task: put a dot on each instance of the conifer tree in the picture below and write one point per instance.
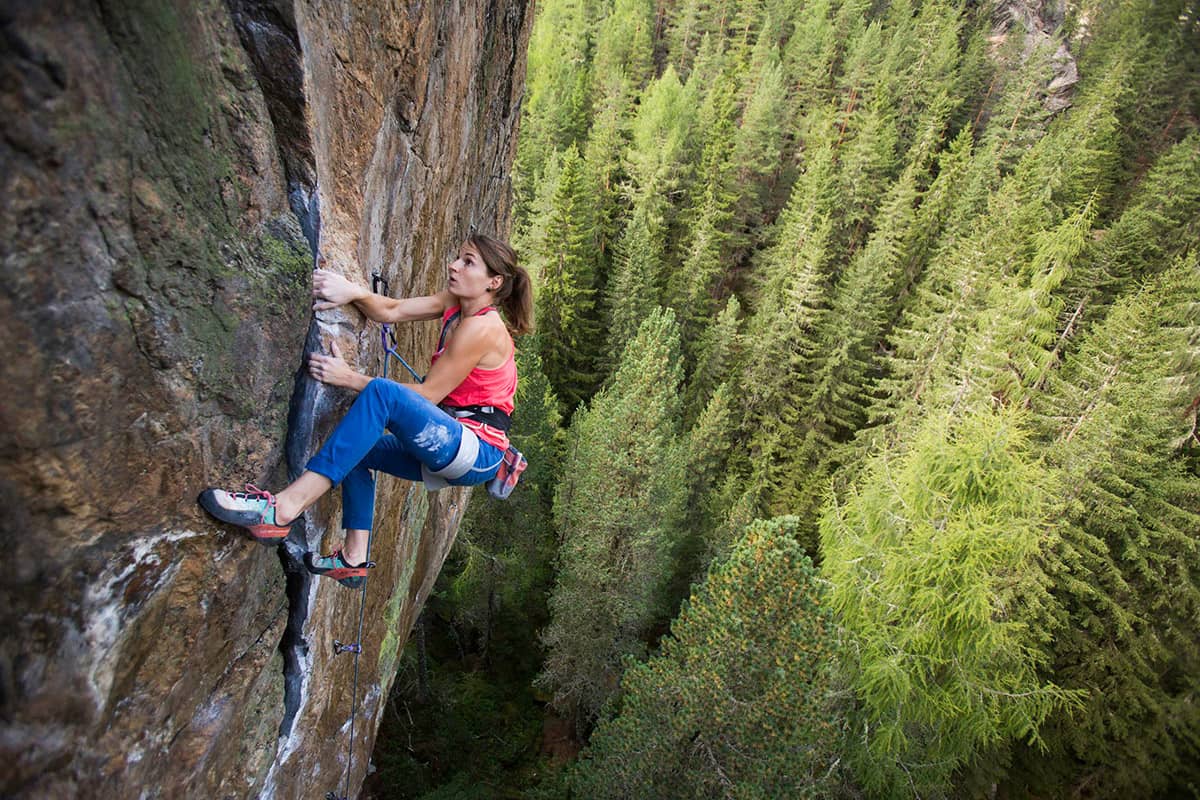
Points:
(789, 310)
(684, 35)
(809, 57)
(758, 146)
(922, 62)
(932, 561)
(624, 47)
(718, 353)
(657, 162)
(617, 510)
(660, 134)
(632, 291)
(1120, 420)
(1156, 42)
(604, 174)
(1053, 178)
(1160, 221)
(832, 395)
(692, 21)
(562, 263)
(741, 701)
(708, 444)
(695, 287)
(705, 216)
(868, 162)
(1015, 343)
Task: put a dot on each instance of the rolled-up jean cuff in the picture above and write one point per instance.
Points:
(325, 469)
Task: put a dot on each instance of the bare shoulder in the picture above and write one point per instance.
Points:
(486, 333)
(484, 326)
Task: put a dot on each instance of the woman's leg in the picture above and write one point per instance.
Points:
(358, 492)
(434, 434)
(393, 456)
(427, 444)
(429, 435)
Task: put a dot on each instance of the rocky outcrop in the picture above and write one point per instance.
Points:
(1037, 24)
(169, 171)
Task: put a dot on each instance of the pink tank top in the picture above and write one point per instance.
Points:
(494, 387)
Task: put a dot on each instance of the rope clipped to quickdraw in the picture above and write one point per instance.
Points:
(355, 647)
(386, 337)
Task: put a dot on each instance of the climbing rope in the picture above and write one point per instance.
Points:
(355, 647)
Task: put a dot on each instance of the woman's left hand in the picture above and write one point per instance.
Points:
(332, 369)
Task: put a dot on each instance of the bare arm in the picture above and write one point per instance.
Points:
(472, 341)
(331, 290)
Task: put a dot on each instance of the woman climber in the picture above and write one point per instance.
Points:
(449, 430)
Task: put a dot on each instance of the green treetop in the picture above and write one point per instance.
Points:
(832, 394)
(1120, 422)
(932, 558)
(556, 110)
(624, 47)
(741, 702)
(562, 263)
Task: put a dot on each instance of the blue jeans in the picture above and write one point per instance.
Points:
(421, 435)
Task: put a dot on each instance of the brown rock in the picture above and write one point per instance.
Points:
(167, 170)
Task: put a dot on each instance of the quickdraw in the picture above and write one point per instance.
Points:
(341, 647)
(386, 337)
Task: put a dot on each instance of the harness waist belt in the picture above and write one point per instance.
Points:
(488, 415)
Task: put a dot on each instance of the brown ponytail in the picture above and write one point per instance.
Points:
(515, 295)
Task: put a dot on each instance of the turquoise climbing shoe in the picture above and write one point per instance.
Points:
(336, 567)
(253, 509)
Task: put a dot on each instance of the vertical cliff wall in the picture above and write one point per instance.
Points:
(169, 169)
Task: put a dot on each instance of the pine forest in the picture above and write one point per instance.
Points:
(862, 414)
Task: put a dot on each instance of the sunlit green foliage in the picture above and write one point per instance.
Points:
(933, 266)
(932, 557)
(1122, 419)
(624, 47)
(561, 260)
(556, 92)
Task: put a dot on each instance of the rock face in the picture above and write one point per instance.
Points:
(170, 168)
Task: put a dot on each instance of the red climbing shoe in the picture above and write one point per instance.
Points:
(252, 509)
(336, 567)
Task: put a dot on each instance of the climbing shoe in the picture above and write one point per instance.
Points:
(252, 509)
(336, 567)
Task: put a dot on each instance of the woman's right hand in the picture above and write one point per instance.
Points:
(333, 369)
(332, 290)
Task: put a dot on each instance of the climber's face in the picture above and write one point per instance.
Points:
(469, 277)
